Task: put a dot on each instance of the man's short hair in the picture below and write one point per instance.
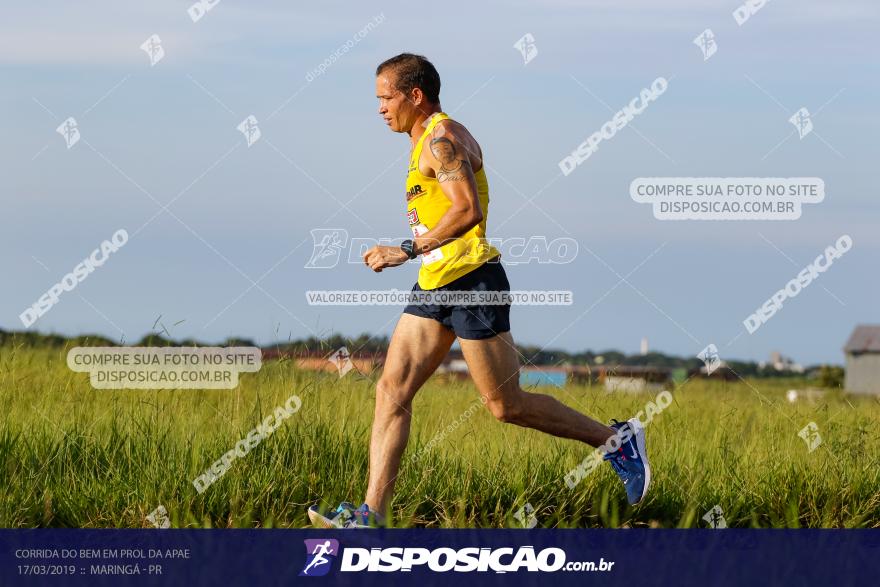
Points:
(414, 71)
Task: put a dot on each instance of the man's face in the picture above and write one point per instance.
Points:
(395, 109)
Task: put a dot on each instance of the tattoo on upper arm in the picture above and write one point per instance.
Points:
(451, 167)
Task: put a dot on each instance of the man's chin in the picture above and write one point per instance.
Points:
(393, 128)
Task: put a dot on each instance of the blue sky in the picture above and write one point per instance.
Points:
(153, 134)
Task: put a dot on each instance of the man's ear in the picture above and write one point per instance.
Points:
(416, 96)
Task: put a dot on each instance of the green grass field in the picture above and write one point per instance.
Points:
(72, 456)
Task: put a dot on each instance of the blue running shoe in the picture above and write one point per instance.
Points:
(364, 517)
(630, 461)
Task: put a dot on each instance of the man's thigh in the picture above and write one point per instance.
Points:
(417, 348)
(493, 364)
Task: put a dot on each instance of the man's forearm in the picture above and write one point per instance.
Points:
(452, 225)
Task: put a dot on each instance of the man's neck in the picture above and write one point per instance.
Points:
(418, 129)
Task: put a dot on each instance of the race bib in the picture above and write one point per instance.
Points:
(430, 256)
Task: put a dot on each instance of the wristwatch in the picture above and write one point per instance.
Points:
(407, 247)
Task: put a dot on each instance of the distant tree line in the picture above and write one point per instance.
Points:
(830, 376)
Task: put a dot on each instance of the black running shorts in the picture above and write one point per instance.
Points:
(470, 322)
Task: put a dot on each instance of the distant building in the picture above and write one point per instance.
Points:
(718, 370)
(616, 378)
(454, 366)
(556, 376)
(643, 348)
(781, 363)
(862, 353)
(631, 377)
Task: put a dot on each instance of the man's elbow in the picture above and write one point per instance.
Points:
(465, 218)
(475, 216)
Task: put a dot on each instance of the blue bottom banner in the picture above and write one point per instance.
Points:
(428, 557)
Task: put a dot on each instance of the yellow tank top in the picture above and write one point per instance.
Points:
(426, 204)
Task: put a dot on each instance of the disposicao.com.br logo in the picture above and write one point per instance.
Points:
(321, 552)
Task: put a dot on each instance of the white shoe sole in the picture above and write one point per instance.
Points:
(643, 453)
(320, 521)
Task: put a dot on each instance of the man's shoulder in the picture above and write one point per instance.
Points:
(451, 125)
(459, 140)
(456, 132)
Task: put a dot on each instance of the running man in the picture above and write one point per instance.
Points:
(447, 199)
(324, 548)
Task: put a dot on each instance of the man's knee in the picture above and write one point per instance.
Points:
(392, 398)
(507, 409)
